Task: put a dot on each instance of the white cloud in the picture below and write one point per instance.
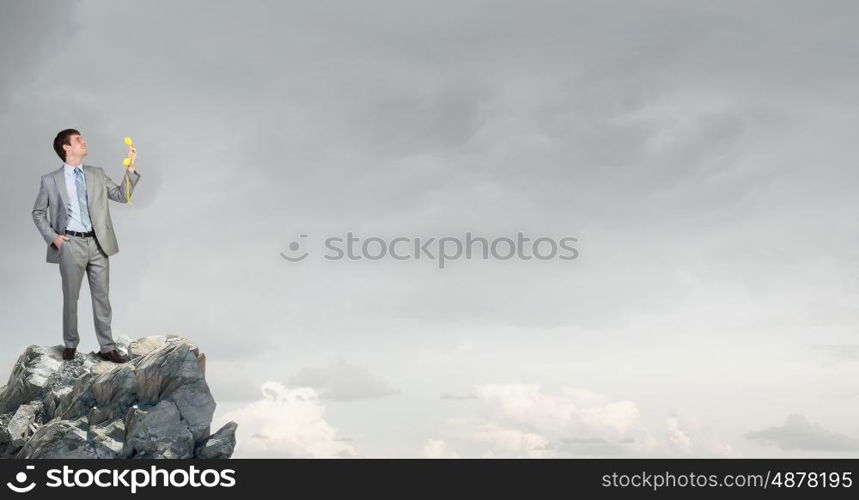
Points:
(676, 436)
(573, 412)
(286, 423)
(690, 438)
(510, 442)
(522, 420)
(437, 448)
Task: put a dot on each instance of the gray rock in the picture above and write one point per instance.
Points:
(52, 398)
(219, 444)
(78, 401)
(196, 405)
(122, 343)
(115, 391)
(164, 370)
(20, 426)
(145, 345)
(157, 433)
(59, 439)
(156, 405)
(29, 376)
(108, 438)
(4, 432)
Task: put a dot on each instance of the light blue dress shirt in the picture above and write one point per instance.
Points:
(75, 223)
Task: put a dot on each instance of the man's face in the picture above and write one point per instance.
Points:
(77, 147)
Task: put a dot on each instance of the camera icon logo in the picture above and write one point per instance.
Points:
(21, 478)
(295, 246)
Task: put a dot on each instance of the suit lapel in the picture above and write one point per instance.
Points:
(60, 182)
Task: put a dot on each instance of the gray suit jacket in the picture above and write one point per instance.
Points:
(51, 216)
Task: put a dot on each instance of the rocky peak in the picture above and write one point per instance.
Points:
(157, 405)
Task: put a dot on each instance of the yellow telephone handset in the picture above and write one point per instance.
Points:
(125, 163)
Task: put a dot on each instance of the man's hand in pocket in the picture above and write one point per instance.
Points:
(59, 240)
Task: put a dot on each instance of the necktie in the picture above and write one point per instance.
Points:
(80, 185)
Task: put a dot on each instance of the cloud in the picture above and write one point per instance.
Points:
(437, 448)
(510, 442)
(286, 423)
(800, 434)
(689, 438)
(676, 435)
(343, 382)
(522, 420)
(572, 412)
(457, 397)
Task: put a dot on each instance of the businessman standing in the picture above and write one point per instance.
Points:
(71, 212)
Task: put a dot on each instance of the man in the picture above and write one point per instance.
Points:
(71, 212)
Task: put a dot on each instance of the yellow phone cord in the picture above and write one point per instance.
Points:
(126, 163)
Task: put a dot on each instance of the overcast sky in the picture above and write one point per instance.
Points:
(703, 155)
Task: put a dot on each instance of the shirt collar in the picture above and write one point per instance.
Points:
(70, 169)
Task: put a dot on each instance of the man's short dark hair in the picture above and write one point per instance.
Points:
(64, 137)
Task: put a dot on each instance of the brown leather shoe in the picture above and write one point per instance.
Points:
(69, 353)
(112, 356)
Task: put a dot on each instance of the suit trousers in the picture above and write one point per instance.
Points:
(79, 255)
